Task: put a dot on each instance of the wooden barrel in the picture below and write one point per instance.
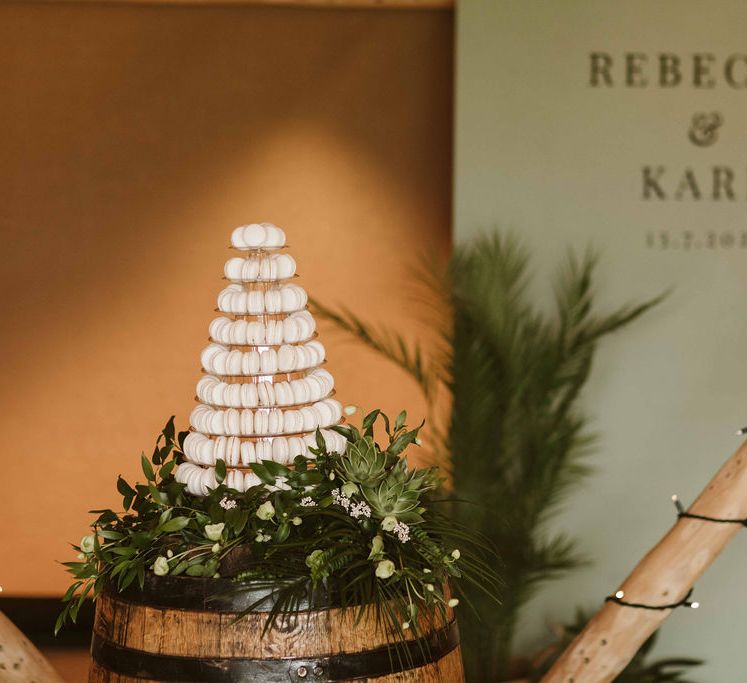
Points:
(185, 629)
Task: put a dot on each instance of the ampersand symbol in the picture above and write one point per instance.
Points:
(704, 128)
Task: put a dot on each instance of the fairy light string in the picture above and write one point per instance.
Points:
(619, 597)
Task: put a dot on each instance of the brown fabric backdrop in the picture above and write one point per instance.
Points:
(133, 140)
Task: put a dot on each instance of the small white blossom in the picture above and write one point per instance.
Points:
(262, 538)
(169, 553)
(350, 410)
(227, 503)
(296, 521)
(405, 625)
(359, 510)
(402, 531)
(453, 602)
(339, 499)
(308, 502)
(456, 554)
(216, 548)
(429, 587)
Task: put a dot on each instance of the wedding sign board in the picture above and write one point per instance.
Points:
(621, 126)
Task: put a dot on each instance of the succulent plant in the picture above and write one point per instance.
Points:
(392, 497)
(363, 463)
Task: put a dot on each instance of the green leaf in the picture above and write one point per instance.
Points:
(165, 471)
(110, 535)
(176, 524)
(403, 441)
(71, 591)
(180, 439)
(276, 469)
(282, 533)
(147, 468)
(169, 430)
(220, 471)
(179, 569)
(262, 472)
(195, 570)
(124, 488)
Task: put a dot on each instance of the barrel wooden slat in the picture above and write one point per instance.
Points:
(133, 638)
(446, 670)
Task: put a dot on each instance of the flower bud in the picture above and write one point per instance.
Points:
(265, 511)
(213, 531)
(385, 569)
(161, 566)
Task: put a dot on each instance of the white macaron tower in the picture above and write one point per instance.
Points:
(263, 392)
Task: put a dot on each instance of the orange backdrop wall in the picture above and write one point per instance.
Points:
(133, 140)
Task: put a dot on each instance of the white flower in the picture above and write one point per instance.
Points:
(426, 570)
(262, 538)
(265, 511)
(161, 566)
(169, 553)
(456, 554)
(349, 489)
(307, 502)
(402, 531)
(388, 523)
(405, 625)
(453, 602)
(81, 556)
(279, 485)
(342, 501)
(296, 521)
(429, 587)
(227, 503)
(384, 569)
(216, 548)
(87, 544)
(213, 531)
(350, 410)
(360, 510)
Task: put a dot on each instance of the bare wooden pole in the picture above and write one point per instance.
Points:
(664, 576)
(20, 661)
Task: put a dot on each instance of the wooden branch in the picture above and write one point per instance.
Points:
(664, 576)
(303, 4)
(20, 661)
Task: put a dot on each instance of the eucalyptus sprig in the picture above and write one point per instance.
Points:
(360, 525)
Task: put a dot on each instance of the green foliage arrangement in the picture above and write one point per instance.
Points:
(514, 437)
(639, 670)
(361, 524)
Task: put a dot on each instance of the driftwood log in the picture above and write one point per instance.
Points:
(20, 661)
(664, 576)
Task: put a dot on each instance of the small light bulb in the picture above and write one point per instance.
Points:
(620, 595)
(695, 605)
